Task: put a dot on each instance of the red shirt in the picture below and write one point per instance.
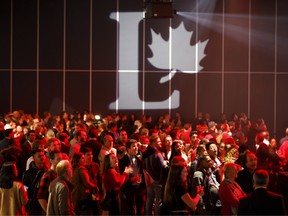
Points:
(113, 180)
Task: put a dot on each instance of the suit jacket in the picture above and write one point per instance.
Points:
(138, 169)
(262, 202)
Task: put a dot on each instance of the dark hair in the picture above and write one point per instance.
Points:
(85, 149)
(7, 176)
(51, 154)
(173, 180)
(93, 132)
(62, 136)
(208, 145)
(199, 148)
(7, 132)
(34, 151)
(111, 125)
(75, 159)
(107, 164)
(173, 150)
(130, 142)
(37, 143)
(246, 154)
(202, 159)
(173, 133)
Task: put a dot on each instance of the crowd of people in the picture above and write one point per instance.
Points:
(76, 164)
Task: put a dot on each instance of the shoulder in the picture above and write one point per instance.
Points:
(245, 199)
(18, 184)
(274, 195)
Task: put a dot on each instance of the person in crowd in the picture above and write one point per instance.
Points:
(60, 197)
(107, 148)
(18, 135)
(176, 196)
(53, 144)
(156, 166)
(13, 196)
(74, 134)
(212, 150)
(261, 201)
(210, 204)
(192, 167)
(93, 143)
(185, 133)
(43, 192)
(26, 150)
(31, 179)
(133, 190)
(95, 177)
(112, 128)
(177, 150)
(245, 176)
(283, 152)
(113, 181)
(229, 191)
(191, 148)
(168, 147)
(123, 138)
(83, 187)
(65, 145)
(81, 136)
(9, 138)
(49, 134)
(222, 151)
(231, 155)
(285, 138)
(175, 134)
(38, 144)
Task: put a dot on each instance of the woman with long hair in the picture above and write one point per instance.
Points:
(176, 194)
(113, 181)
(177, 149)
(13, 196)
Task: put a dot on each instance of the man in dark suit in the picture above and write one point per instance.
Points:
(261, 201)
(133, 191)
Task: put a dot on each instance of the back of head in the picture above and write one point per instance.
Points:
(174, 178)
(62, 167)
(93, 132)
(261, 178)
(107, 164)
(7, 175)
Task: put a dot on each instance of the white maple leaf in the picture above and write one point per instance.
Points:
(185, 57)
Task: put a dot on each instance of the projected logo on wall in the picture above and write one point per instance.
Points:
(184, 58)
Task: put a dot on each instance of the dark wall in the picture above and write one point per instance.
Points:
(228, 56)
